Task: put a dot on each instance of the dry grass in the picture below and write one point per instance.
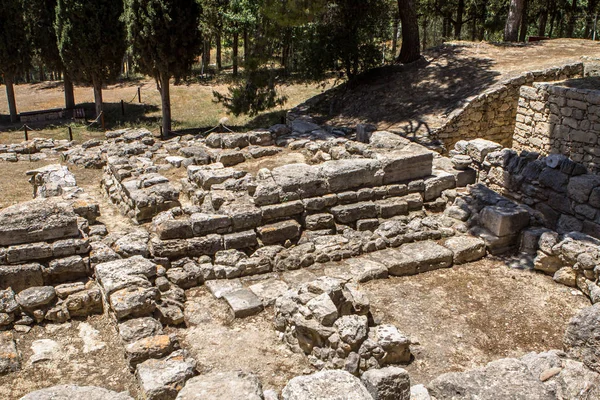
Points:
(193, 107)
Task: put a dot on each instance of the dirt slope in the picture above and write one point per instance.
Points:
(407, 98)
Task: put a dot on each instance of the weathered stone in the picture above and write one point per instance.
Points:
(203, 224)
(150, 347)
(84, 303)
(323, 309)
(68, 392)
(65, 269)
(243, 303)
(395, 344)
(37, 221)
(138, 328)
(580, 187)
(133, 301)
(283, 210)
(325, 385)
(10, 361)
(581, 339)
(268, 291)
(436, 185)
(20, 277)
(240, 240)
(413, 258)
(129, 272)
(221, 286)
(351, 212)
(465, 248)
(503, 379)
(547, 264)
(478, 149)
(222, 386)
(163, 379)
(194, 247)
(70, 247)
(36, 297)
(389, 383)
(28, 252)
(504, 221)
(279, 232)
(133, 244)
(567, 276)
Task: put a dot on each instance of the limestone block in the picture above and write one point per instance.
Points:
(504, 221)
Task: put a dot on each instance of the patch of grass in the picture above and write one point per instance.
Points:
(192, 106)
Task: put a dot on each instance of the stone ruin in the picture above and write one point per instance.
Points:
(214, 211)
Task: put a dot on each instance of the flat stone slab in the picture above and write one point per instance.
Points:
(414, 258)
(219, 287)
(37, 221)
(465, 248)
(298, 277)
(364, 270)
(71, 392)
(243, 303)
(268, 291)
(222, 386)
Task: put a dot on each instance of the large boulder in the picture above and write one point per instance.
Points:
(582, 337)
(508, 378)
(326, 385)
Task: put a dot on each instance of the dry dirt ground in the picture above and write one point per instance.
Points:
(462, 317)
(418, 97)
(105, 367)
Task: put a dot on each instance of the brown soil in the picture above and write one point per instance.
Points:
(106, 368)
(416, 98)
(469, 315)
(221, 343)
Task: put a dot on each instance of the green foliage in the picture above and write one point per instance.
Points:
(14, 46)
(255, 95)
(163, 35)
(91, 38)
(348, 36)
(40, 17)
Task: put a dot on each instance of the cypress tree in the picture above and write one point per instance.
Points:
(14, 48)
(91, 41)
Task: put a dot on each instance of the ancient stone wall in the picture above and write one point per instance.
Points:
(555, 118)
(491, 114)
(560, 192)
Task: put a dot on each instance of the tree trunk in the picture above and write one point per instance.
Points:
(206, 54)
(97, 95)
(395, 38)
(10, 95)
(42, 74)
(69, 94)
(219, 58)
(246, 45)
(572, 14)
(165, 98)
(424, 29)
(460, 10)
(236, 45)
(523, 32)
(552, 23)
(515, 12)
(543, 20)
(411, 49)
(591, 13)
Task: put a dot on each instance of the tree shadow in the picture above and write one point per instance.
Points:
(414, 97)
(134, 114)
